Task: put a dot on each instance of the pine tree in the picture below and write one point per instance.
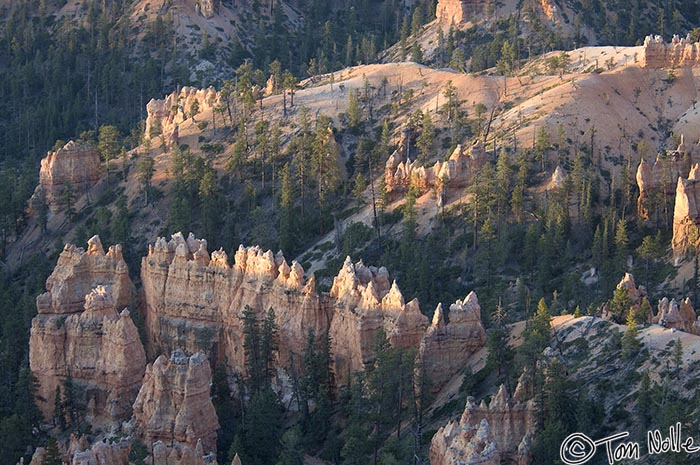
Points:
(52, 455)
(426, 139)
(108, 143)
(630, 342)
(354, 112)
(287, 196)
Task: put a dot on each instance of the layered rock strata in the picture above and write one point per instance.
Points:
(174, 404)
(80, 333)
(679, 53)
(501, 431)
(363, 303)
(196, 301)
(75, 167)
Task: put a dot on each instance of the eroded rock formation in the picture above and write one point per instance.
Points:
(174, 404)
(80, 332)
(446, 347)
(181, 455)
(207, 8)
(363, 303)
(458, 171)
(164, 116)
(676, 54)
(660, 177)
(458, 11)
(503, 430)
(100, 453)
(686, 216)
(75, 167)
(195, 301)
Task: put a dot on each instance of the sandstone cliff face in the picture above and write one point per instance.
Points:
(363, 303)
(445, 348)
(164, 116)
(503, 430)
(686, 216)
(678, 53)
(458, 11)
(196, 301)
(76, 166)
(79, 332)
(174, 403)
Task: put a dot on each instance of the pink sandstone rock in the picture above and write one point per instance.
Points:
(457, 172)
(677, 54)
(686, 216)
(174, 402)
(74, 166)
(446, 347)
(488, 434)
(457, 11)
(79, 332)
(167, 114)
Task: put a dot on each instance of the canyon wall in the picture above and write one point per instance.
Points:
(84, 332)
(195, 301)
(679, 53)
(446, 346)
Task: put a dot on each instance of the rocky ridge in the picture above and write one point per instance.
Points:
(458, 171)
(165, 115)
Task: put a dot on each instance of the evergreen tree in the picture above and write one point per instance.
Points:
(426, 139)
(630, 342)
(52, 455)
(108, 143)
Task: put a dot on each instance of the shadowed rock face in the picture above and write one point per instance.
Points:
(503, 430)
(80, 332)
(446, 347)
(174, 403)
(74, 166)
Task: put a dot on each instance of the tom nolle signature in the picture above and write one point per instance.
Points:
(578, 448)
